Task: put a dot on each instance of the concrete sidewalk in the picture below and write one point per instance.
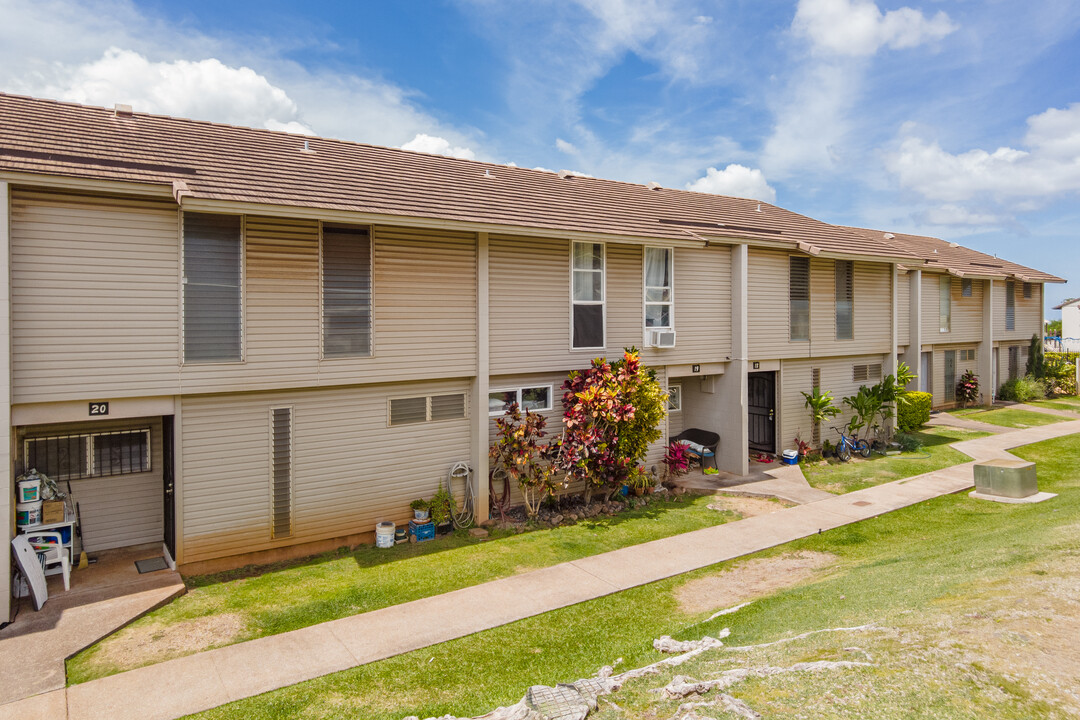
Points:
(209, 679)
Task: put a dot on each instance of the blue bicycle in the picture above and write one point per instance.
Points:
(848, 445)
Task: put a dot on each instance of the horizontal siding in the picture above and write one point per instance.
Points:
(119, 510)
(966, 326)
(95, 297)
(530, 306)
(350, 469)
(836, 377)
(768, 315)
(1028, 312)
(937, 370)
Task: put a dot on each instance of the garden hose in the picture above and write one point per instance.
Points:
(464, 518)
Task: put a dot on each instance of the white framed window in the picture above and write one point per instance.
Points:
(587, 295)
(1010, 305)
(945, 304)
(213, 273)
(965, 287)
(674, 398)
(70, 457)
(845, 299)
(426, 408)
(799, 297)
(537, 398)
(659, 288)
(346, 261)
(967, 355)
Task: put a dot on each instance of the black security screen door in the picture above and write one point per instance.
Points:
(168, 479)
(761, 392)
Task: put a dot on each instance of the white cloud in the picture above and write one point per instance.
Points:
(1048, 168)
(735, 180)
(437, 146)
(955, 215)
(859, 28)
(566, 147)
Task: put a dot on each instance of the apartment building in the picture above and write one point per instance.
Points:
(246, 344)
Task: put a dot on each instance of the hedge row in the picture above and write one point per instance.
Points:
(913, 411)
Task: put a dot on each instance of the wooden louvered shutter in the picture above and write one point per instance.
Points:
(346, 292)
(281, 471)
(1010, 305)
(799, 297)
(845, 300)
(212, 279)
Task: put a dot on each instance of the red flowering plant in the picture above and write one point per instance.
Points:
(677, 459)
(524, 458)
(967, 388)
(612, 412)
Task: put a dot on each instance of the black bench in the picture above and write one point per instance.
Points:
(708, 440)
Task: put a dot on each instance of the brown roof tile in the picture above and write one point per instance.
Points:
(223, 162)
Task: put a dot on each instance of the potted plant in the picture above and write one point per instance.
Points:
(420, 508)
(441, 507)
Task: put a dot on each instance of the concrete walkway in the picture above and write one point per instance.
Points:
(786, 482)
(944, 419)
(209, 679)
(1051, 411)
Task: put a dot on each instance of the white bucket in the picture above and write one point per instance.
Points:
(29, 490)
(384, 534)
(27, 514)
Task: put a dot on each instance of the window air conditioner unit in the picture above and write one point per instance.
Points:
(662, 338)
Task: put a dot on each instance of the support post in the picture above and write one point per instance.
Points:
(7, 488)
(731, 403)
(891, 362)
(913, 353)
(479, 416)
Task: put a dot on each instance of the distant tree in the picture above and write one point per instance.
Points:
(1036, 361)
(1053, 328)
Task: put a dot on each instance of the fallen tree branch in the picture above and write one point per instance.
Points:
(857, 628)
(681, 686)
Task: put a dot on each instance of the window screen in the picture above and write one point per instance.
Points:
(281, 471)
(1027, 291)
(658, 287)
(428, 408)
(447, 407)
(674, 402)
(536, 399)
(346, 301)
(945, 303)
(799, 297)
(212, 278)
(845, 300)
(587, 279)
(1010, 305)
(405, 411)
(965, 287)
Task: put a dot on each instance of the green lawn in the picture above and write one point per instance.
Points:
(968, 593)
(255, 602)
(1008, 417)
(835, 476)
(1067, 402)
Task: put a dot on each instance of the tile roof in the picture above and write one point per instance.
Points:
(955, 258)
(1069, 301)
(223, 162)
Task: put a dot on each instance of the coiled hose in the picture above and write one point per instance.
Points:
(463, 518)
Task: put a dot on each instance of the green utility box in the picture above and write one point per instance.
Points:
(1006, 478)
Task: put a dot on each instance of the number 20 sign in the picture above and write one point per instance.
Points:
(99, 408)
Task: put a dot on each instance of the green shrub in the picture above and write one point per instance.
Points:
(907, 443)
(1061, 373)
(1023, 389)
(913, 410)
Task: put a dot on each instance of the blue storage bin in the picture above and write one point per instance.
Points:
(422, 530)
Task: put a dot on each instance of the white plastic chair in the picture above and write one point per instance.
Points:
(50, 550)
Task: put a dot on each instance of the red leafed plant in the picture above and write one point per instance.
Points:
(524, 458)
(967, 389)
(677, 459)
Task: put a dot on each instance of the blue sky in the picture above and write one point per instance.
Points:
(959, 119)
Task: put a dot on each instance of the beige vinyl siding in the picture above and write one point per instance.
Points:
(836, 377)
(350, 469)
(1003, 360)
(966, 325)
(903, 309)
(768, 308)
(937, 370)
(95, 297)
(118, 510)
(530, 305)
(1028, 312)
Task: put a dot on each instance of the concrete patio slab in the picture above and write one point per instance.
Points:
(52, 704)
(1036, 498)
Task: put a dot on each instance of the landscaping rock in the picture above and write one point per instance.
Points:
(478, 532)
(557, 520)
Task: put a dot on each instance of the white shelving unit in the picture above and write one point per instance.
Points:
(69, 547)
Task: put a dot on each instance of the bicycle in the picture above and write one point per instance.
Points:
(847, 445)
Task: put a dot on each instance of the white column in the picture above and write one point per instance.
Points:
(178, 478)
(7, 487)
(731, 404)
(479, 459)
(987, 381)
(894, 329)
(912, 356)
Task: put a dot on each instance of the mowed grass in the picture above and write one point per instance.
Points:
(835, 476)
(909, 571)
(1066, 402)
(268, 600)
(1008, 417)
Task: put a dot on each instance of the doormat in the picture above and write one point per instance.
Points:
(151, 565)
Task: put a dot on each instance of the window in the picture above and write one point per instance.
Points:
(965, 287)
(426, 408)
(799, 297)
(950, 376)
(1027, 291)
(1014, 362)
(674, 398)
(967, 355)
(70, 457)
(588, 295)
(863, 373)
(213, 247)
(1010, 305)
(658, 288)
(281, 472)
(945, 303)
(533, 399)
(845, 299)
(346, 291)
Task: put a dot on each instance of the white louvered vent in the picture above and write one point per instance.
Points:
(427, 408)
(865, 373)
(281, 471)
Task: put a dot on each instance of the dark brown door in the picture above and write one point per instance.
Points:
(761, 396)
(167, 453)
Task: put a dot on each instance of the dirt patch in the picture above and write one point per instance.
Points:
(746, 506)
(154, 642)
(750, 580)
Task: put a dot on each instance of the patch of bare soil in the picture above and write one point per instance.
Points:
(141, 645)
(749, 580)
(746, 506)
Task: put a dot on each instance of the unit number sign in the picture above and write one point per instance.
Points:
(99, 408)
